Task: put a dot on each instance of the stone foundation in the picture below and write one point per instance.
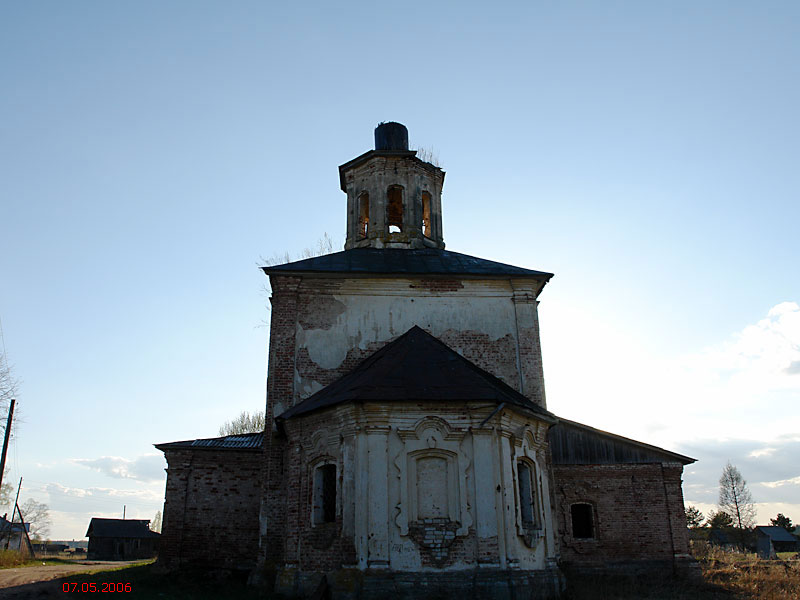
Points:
(471, 584)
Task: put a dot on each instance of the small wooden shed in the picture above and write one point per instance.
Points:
(121, 539)
(771, 540)
(14, 536)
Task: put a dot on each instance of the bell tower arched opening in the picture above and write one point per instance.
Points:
(394, 209)
(363, 215)
(426, 214)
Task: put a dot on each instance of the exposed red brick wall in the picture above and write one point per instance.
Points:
(280, 389)
(211, 508)
(498, 357)
(282, 336)
(638, 511)
(439, 285)
(311, 548)
(307, 368)
(273, 505)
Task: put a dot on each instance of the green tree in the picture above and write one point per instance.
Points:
(719, 520)
(782, 521)
(694, 518)
(244, 423)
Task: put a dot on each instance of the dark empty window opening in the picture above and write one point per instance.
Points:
(325, 494)
(363, 214)
(394, 209)
(527, 494)
(582, 521)
(426, 214)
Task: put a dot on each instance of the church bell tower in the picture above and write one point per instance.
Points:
(394, 199)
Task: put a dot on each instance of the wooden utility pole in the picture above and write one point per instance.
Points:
(24, 529)
(13, 514)
(5, 441)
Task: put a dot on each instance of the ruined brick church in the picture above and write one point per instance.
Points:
(408, 449)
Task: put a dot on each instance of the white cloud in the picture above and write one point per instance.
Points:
(761, 357)
(148, 467)
(762, 452)
(741, 387)
(781, 482)
(66, 496)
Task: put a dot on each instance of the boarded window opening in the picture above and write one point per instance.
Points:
(325, 494)
(394, 209)
(426, 214)
(363, 214)
(527, 494)
(432, 487)
(582, 521)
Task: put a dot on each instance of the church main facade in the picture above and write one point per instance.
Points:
(408, 449)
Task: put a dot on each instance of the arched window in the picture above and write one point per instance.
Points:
(363, 214)
(582, 520)
(394, 209)
(324, 494)
(426, 214)
(526, 481)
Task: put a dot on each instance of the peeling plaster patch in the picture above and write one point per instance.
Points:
(354, 326)
(308, 387)
(310, 376)
(365, 320)
(323, 346)
(320, 312)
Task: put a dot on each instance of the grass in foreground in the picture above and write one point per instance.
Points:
(10, 559)
(725, 576)
(620, 587)
(748, 576)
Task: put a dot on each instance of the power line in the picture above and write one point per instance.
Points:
(3, 340)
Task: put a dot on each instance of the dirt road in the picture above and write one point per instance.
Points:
(21, 583)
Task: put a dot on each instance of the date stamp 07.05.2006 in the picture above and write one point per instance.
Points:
(103, 587)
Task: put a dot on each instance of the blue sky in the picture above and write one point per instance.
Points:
(151, 153)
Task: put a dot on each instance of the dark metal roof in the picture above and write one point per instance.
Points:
(416, 366)
(776, 534)
(573, 443)
(243, 441)
(720, 537)
(120, 528)
(424, 261)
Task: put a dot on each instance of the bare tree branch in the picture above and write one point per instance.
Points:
(244, 423)
(736, 500)
(38, 515)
